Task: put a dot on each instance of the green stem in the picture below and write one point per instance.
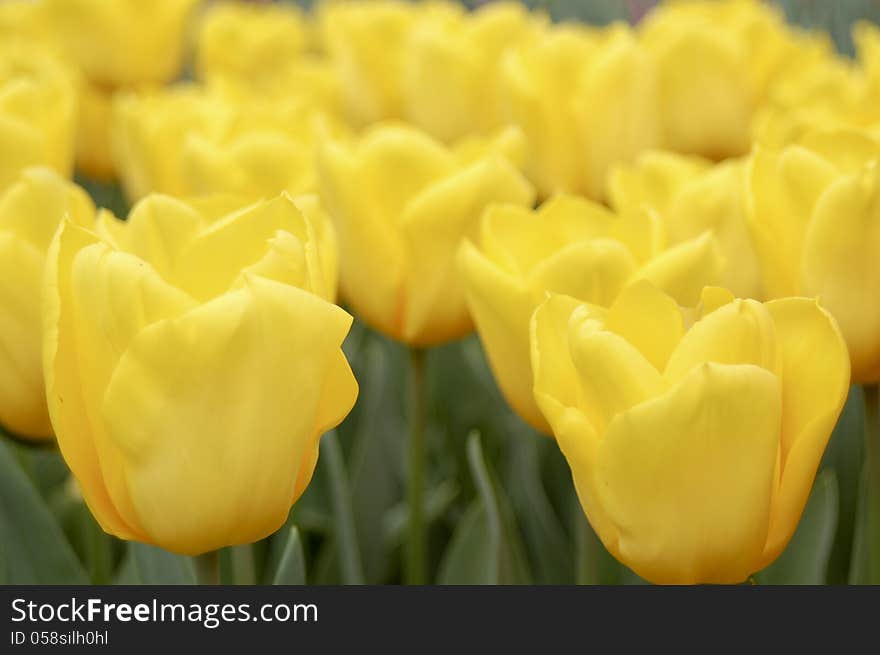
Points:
(416, 569)
(872, 454)
(586, 562)
(226, 566)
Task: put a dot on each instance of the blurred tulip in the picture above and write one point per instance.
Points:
(402, 203)
(122, 42)
(692, 196)
(30, 211)
(249, 40)
(693, 445)
(189, 140)
(586, 100)
(365, 41)
(192, 362)
(814, 211)
(37, 111)
(451, 84)
(717, 63)
(572, 246)
(94, 155)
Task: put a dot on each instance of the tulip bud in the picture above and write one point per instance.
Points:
(37, 111)
(693, 438)
(572, 246)
(585, 101)
(402, 203)
(192, 362)
(122, 42)
(30, 211)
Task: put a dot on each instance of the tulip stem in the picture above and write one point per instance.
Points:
(872, 454)
(415, 565)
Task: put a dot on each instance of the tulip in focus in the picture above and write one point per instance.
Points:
(30, 211)
(402, 203)
(192, 362)
(37, 111)
(814, 211)
(693, 437)
(691, 196)
(571, 246)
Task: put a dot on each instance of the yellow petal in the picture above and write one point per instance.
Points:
(686, 478)
(613, 374)
(592, 271)
(197, 476)
(434, 224)
(502, 306)
(649, 319)
(683, 270)
(741, 332)
(654, 179)
(840, 265)
(815, 375)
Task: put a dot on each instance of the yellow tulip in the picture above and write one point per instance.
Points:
(30, 211)
(572, 246)
(246, 41)
(37, 111)
(402, 203)
(693, 196)
(94, 156)
(365, 41)
(717, 62)
(815, 216)
(189, 140)
(450, 81)
(122, 42)
(192, 362)
(693, 445)
(552, 90)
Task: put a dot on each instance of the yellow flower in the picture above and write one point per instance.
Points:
(365, 41)
(691, 196)
(814, 211)
(572, 246)
(188, 140)
(30, 211)
(693, 447)
(246, 41)
(717, 62)
(37, 111)
(122, 42)
(451, 85)
(551, 89)
(192, 362)
(94, 156)
(402, 203)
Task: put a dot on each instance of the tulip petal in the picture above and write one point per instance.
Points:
(683, 270)
(815, 374)
(613, 374)
(592, 271)
(686, 477)
(502, 307)
(434, 224)
(741, 332)
(158, 229)
(840, 265)
(649, 319)
(22, 397)
(223, 433)
(654, 179)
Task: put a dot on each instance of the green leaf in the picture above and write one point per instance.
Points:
(545, 537)
(805, 559)
(35, 549)
(157, 566)
(859, 572)
(333, 465)
(486, 547)
(292, 567)
(437, 501)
